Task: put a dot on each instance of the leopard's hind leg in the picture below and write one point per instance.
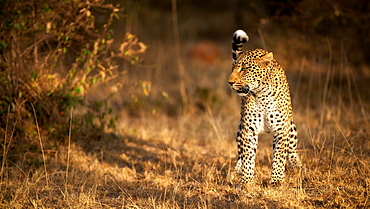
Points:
(293, 158)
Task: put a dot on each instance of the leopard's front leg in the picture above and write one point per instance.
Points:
(247, 139)
(280, 149)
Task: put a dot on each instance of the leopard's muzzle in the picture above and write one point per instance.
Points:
(244, 90)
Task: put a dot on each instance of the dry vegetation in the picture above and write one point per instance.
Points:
(162, 153)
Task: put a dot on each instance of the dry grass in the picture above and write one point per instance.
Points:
(164, 155)
(184, 161)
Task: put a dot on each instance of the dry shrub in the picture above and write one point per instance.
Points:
(52, 53)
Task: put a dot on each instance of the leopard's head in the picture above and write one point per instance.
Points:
(249, 70)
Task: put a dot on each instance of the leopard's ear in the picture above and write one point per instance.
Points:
(266, 59)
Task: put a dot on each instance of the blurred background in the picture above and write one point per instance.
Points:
(321, 45)
(111, 62)
(141, 86)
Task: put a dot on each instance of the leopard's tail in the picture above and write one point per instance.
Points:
(239, 38)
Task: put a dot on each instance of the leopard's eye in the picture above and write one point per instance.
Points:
(244, 68)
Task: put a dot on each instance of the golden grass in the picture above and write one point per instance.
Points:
(164, 155)
(159, 167)
(158, 161)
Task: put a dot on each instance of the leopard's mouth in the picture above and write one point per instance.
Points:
(243, 91)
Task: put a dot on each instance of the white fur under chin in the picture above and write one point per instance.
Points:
(242, 94)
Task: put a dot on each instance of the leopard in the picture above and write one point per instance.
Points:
(266, 107)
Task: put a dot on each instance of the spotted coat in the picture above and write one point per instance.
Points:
(265, 107)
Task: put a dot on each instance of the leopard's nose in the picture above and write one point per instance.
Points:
(231, 83)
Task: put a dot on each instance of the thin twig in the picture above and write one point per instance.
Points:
(299, 81)
(212, 121)
(119, 187)
(331, 156)
(41, 146)
(327, 89)
(180, 64)
(68, 153)
(6, 144)
(344, 136)
(262, 39)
